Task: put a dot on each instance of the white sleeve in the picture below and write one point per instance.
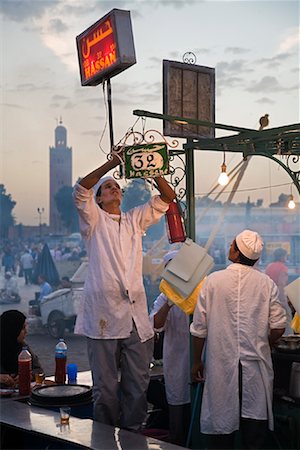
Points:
(159, 302)
(149, 213)
(277, 316)
(87, 208)
(198, 327)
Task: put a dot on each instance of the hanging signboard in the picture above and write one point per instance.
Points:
(146, 161)
(188, 91)
(106, 48)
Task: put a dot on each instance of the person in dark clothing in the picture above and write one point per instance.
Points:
(13, 330)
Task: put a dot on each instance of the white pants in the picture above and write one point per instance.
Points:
(120, 370)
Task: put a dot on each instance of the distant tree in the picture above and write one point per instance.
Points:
(66, 208)
(282, 202)
(135, 194)
(6, 207)
(206, 201)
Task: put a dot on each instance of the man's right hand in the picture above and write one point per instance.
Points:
(198, 372)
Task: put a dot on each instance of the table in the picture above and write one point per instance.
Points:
(35, 424)
(25, 426)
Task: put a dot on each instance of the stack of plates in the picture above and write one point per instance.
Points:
(61, 394)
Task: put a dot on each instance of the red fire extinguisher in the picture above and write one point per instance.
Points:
(175, 226)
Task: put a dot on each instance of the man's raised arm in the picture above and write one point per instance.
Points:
(92, 178)
(167, 193)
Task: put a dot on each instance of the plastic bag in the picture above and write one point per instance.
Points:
(295, 324)
(186, 304)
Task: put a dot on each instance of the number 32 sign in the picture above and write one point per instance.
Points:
(146, 161)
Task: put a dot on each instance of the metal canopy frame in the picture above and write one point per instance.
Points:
(270, 143)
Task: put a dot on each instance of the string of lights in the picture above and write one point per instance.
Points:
(247, 190)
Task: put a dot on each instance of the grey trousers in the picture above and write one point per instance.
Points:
(120, 371)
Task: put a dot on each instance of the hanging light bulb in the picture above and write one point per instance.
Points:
(223, 179)
(291, 203)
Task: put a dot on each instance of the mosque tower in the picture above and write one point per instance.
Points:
(60, 174)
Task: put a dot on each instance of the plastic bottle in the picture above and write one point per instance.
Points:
(175, 225)
(24, 371)
(60, 362)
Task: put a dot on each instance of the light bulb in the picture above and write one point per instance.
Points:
(223, 178)
(291, 204)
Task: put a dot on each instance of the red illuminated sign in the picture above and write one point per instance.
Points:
(106, 48)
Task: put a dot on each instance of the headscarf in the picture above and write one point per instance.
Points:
(11, 324)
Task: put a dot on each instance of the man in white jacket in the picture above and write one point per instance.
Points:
(113, 313)
(237, 316)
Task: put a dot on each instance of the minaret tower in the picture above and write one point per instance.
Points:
(60, 174)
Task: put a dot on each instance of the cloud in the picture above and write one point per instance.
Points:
(275, 61)
(54, 105)
(224, 68)
(291, 41)
(13, 105)
(265, 101)
(30, 87)
(236, 50)
(176, 3)
(202, 50)
(57, 26)
(70, 105)
(58, 98)
(230, 82)
(268, 84)
(91, 133)
(19, 10)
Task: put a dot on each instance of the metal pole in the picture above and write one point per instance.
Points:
(190, 193)
(110, 119)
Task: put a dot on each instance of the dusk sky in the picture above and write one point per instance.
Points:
(253, 45)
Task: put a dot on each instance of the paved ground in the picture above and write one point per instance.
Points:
(39, 339)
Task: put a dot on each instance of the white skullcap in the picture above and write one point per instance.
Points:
(250, 244)
(101, 181)
(170, 255)
(8, 273)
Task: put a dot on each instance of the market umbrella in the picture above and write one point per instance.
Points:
(46, 266)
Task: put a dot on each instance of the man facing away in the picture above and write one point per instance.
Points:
(113, 313)
(238, 316)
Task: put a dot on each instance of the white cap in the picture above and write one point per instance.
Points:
(101, 181)
(250, 244)
(8, 273)
(170, 255)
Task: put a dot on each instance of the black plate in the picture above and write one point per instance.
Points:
(61, 394)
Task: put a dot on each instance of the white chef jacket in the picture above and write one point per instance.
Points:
(235, 311)
(113, 292)
(176, 352)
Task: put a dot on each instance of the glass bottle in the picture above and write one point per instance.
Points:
(24, 371)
